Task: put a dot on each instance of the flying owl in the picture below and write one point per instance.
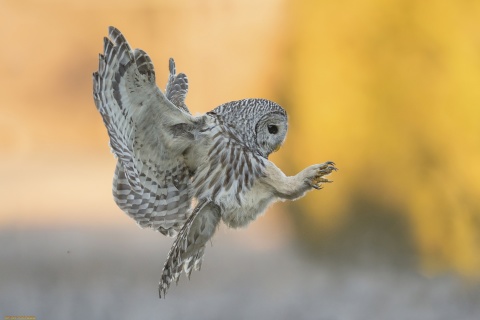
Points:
(181, 174)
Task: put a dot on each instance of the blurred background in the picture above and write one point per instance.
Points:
(389, 90)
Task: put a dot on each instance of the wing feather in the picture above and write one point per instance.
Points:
(188, 248)
(177, 87)
(231, 170)
(151, 181)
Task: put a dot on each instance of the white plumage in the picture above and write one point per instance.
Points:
(181, 174)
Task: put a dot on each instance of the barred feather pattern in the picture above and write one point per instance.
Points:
(177, 87)
(232, 168)
(230, 172)
(162, 206)
(240, 118)
(117, 118)
(188, 248)
(150, 185)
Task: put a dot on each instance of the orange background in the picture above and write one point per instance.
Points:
(387, 90)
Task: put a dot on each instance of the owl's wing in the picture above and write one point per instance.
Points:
(177, 87)
(187, 250)
(147, 134)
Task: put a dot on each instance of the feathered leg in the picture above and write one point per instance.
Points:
(294, 187)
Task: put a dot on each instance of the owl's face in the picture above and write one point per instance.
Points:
(271, 130)
(260, 124)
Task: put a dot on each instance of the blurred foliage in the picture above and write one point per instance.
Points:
(389, 90)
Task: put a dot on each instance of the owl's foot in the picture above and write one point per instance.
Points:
(320, 171)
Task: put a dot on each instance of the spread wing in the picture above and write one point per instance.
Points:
(177, 87)
(148, 136)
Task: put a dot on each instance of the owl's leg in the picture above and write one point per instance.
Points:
(187, 250)
(294, 187)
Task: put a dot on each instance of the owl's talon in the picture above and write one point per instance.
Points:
(321, 170)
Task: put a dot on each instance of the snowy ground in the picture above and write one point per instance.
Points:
(98, 274)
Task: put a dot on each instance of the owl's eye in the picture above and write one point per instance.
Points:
(273, 129)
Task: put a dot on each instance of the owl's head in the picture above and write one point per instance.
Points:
(260, 124)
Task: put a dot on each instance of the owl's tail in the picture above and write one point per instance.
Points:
(188, 248)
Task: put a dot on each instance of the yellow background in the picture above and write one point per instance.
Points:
(389, 90)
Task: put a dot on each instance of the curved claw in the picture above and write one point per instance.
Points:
(317, 187)
(324, 169)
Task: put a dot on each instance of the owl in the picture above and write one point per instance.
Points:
(181, 174)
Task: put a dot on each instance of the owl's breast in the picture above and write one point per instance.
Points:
(254, 203)
(227, 172)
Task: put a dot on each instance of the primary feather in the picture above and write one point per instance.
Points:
(151, 181)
